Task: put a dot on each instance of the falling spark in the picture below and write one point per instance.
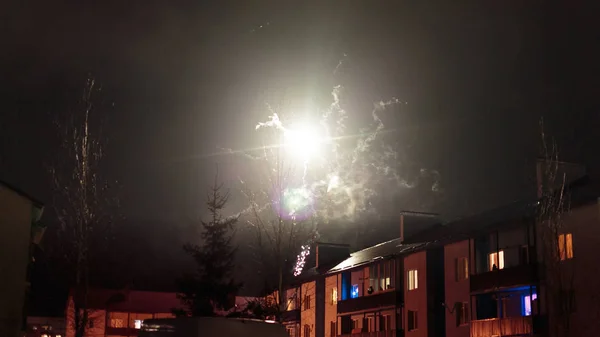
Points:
(301, 259)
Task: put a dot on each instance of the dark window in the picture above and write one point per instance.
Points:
(306, 302)
(333, 328)
(306, 330)
(462, 313)
(524, 255)
(412, 321)
(569, 305)
(385, 323)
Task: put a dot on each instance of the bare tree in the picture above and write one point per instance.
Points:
(273, 213)
(80, 202)
(555, 239)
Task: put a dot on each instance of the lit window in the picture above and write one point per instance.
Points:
(462, 269)
(527, 304)
(45, 335)
(354, 292)
(334, 296)
(412, 279)
(565, 246)
(496, 260)
(138, 324)
(58, 336)
(117, 323)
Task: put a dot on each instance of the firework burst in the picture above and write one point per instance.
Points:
(336, 174)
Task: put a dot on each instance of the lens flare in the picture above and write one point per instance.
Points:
(297, 204)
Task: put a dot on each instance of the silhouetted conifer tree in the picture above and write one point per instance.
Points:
(212, 286)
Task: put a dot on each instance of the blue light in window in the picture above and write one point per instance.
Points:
(526, 305)
(354, 293)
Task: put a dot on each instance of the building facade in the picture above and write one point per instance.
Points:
(115, 313)
(19, 216)
(505, 272)
(46, 327)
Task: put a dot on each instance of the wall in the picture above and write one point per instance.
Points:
(584, 223)
(331, 284)
(36, 326)
(416, 300)
(455, 291)
(15, 231)
(97, 319)
(307, 316)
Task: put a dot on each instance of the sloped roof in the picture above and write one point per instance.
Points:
(133, 301)
(380, 251)
(18, 191)
(467, 226)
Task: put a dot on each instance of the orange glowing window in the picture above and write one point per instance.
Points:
(497, 260)
(565, 246)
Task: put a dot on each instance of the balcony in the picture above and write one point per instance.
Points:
(510, 326)
(377, 300)
(390, 333)
(502, 278)
(290, 316)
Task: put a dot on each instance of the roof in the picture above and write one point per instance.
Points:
(35, 201)
(580, 189)
(380, 251)
(133, 301)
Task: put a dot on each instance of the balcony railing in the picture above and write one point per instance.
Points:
(390, 333)
(508, 277)
(511, 326)
(377, 300)
(290, 315)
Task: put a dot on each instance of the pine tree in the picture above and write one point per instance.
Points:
(212, 286)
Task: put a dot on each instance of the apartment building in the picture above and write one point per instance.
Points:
(500, 273)
(386, 290)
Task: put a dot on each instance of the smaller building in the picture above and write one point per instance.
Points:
(121, 312)
(46, 327)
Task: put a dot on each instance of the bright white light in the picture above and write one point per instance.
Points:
(303, 141)
(334, 182)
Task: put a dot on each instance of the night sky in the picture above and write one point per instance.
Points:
(180, 79)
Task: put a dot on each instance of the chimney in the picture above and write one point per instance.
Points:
(416, 222)
(401, 228)
(330, 253)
